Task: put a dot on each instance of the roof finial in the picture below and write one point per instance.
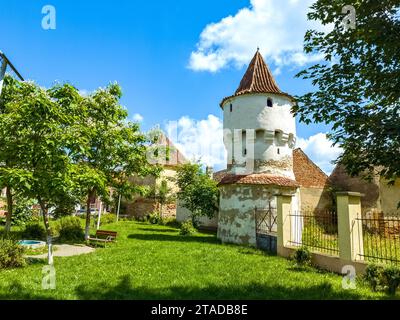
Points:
(258, 49)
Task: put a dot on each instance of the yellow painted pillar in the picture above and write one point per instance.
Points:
(351, 246)
(284, 205)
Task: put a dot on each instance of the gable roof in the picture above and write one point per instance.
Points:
(175, 157)
(258, 178)
(307, 174)
(257, 79)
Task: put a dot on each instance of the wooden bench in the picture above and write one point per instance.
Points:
(104, 236)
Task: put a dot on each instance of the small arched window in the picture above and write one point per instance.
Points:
(269, 102)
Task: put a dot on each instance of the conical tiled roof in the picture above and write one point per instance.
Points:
(257, 79)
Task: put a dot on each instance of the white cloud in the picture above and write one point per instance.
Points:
(276, 26)
(320, 150)
(199, 140)
(137, 117)
(203, 140)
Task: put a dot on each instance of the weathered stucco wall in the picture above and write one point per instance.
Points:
(341, 181)
(236, 220)
(272, 141)
(314, 200)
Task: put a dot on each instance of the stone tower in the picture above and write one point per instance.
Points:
(259, 135)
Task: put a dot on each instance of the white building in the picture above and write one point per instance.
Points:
(259, 135)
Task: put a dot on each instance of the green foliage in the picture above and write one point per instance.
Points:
(66, 207)
(187, 228)
(34, 231)
(162, 194)
(11, 254)
(302, 256)
(357, 86)
(70, 229)
(154, 218)
(380, 277)
(108, 218)
(198, 192)
(391, 278)
(23, 212)
(373, 276)
(170, 221)
(59, 147)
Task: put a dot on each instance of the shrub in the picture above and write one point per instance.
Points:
(154, 218)
(171, 222)
(302, 256)
(108, 218)
(11, 254)
(391, 278)
(187, 228)
(373, 276)
(70, 229)
(34, 231)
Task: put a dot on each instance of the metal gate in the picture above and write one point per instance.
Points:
(266, 228)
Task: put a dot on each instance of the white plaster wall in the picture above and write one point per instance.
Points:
(251, 112)
(274, 131)
(183, 214)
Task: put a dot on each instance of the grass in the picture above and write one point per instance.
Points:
(155, 262)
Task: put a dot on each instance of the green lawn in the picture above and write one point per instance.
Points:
(155, 262)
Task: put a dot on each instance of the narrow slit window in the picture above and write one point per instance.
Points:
(230, 107)
(279, 152)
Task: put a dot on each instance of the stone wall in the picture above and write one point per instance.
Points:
(142, 207)
(139, 207)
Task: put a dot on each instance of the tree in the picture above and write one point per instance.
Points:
(357, 88)
(114, 149)
(42, 123)
(197, 191)
(12, 175)
(162, 194)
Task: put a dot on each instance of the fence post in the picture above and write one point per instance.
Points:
(284, 204)
(349, 228)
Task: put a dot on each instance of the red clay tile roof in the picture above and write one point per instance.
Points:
(257, 79)
(307, 173)
(260, 178)
(217, 176)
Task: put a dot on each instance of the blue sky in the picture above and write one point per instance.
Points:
(175, 60)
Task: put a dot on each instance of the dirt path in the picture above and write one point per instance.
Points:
(66, 250)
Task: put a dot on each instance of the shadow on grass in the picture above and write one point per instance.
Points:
(16, 291)
(177, 238)
(126, 290)
(158, 230)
